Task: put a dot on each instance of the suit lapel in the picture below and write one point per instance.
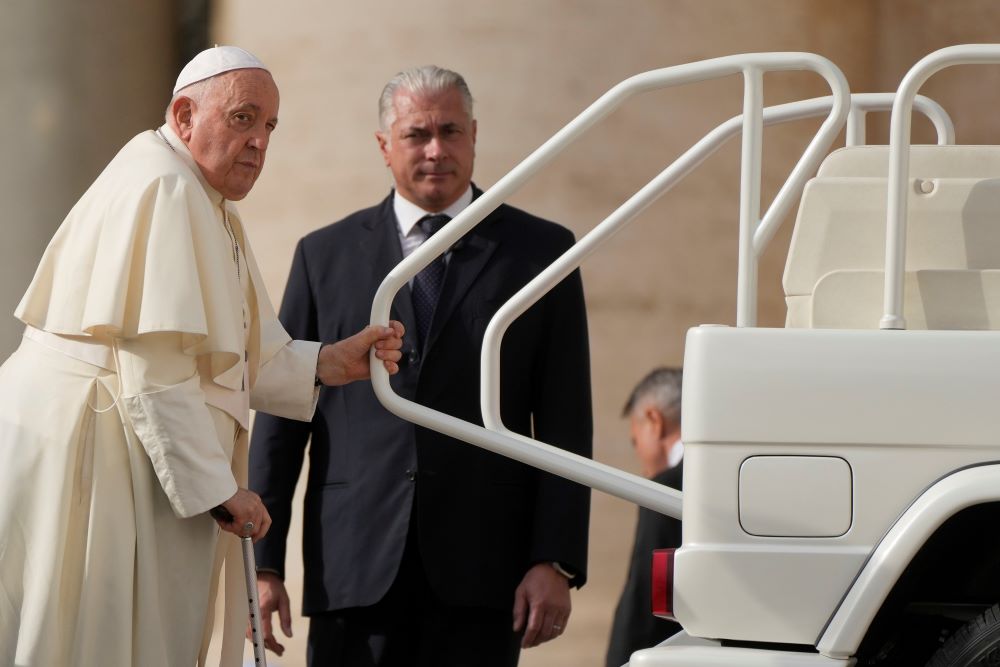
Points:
(381, 247)
(465, 265)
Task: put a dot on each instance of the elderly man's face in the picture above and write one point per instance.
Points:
(230, 128)
(430, 148)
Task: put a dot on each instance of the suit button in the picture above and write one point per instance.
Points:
(414, 356)
(411, 475)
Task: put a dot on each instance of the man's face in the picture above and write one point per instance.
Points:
(646, 427)
(430, 148)
(229, 129)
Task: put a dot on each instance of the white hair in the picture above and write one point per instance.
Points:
(197, 91)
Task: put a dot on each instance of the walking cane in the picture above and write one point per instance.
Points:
(250, 571)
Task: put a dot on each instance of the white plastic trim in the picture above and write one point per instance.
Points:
(718, 656)
(899, 165)
(684, 650)
(597, 475)
(966, 488)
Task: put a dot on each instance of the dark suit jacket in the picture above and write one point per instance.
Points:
(483, 520)
(634, 626)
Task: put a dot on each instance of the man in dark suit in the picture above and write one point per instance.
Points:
(654, 413)
(420, 549)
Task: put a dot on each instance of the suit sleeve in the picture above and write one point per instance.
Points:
(562, 416)
(634, 625)
(277, 447)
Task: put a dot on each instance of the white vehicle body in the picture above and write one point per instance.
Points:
(842, 475)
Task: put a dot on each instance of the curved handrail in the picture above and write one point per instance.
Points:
(580, 469)
(899, 165)
(687, 162)
(564, 265)
(862, 103)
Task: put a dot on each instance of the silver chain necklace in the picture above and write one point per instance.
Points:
(232, 235)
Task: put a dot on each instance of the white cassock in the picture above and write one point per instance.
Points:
(148, 294)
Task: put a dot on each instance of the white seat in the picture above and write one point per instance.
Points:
(834, 271)
(934, 299)
(925, 162)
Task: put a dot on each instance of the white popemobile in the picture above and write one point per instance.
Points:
(842, 474)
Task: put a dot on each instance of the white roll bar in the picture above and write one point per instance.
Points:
(552, 459)
(862, 103)
(710, 143)
(899, 165)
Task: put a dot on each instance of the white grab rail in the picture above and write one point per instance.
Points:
(862, 103)
(899, 165)
(552, 459)
(709, 144)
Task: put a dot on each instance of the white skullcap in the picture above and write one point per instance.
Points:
(214, 61)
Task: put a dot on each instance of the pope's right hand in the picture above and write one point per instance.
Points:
(273, 597)
(245, 507)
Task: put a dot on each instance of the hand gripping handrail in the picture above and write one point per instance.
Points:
(899, 165)
(552, 459)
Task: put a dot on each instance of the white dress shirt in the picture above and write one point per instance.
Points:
(409, 214)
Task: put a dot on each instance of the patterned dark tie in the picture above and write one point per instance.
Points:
(427, 283)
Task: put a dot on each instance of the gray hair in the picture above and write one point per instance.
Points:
(662, 387)
(426, 80)
(197, 91)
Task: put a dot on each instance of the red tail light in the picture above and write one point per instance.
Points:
(663, 583)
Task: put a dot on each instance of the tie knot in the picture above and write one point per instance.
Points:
(432, 224)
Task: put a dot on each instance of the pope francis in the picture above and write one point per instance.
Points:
(124, 412)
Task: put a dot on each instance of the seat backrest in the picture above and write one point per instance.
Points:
(925, 162)
(834, 270)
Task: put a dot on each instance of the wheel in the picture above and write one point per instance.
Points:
(975, 644)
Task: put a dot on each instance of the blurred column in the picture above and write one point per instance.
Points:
(80, 79)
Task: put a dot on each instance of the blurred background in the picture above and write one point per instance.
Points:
(80, 79)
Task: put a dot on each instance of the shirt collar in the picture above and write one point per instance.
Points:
(181, 150)
(675, 454)
(408, 214)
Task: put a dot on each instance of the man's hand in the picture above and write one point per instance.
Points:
(245, 507)
(273, 597)
(542, 596)
(347, 360)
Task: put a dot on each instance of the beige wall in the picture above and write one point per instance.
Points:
(79, 79)
(914, 28)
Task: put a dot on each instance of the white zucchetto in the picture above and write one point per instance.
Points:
(214, 61)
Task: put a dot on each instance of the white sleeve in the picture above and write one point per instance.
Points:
(285, 385)
(162, 397)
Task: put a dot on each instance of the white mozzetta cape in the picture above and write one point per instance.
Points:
(106, 552)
